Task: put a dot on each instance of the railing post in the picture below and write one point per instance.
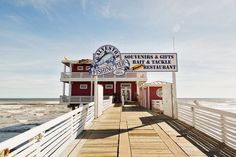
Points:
(193, 116)
(122, 100)
(39, 140)
(222, 120)
(71, 127)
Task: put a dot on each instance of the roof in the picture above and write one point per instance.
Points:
(82, 61)
(153, 84)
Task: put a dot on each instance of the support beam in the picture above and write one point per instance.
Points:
(137, 88)
(91, 92)
(149, 107)
(96, 96)
(114, 87)
(70, 84)
(175, 105)
(64, 88)
(64, 68)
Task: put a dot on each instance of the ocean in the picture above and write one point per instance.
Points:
(19, 115)
(225, 104)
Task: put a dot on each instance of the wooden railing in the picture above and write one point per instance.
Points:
(51, 138)
(218, 124)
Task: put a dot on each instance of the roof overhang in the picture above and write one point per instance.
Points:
(82, 61)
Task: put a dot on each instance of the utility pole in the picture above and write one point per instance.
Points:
(174, 93)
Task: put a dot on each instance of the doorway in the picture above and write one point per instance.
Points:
(126, 91)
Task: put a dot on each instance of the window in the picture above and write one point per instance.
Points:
(87, 67)
(79, 67)
(159, 92)
(109, 86)
(83, 86)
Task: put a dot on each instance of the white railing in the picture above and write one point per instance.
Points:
(107, 103)
(78, 99)
(50, 138)
(65, 75)
(218, 124)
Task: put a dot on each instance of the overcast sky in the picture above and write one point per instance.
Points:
(35, 35)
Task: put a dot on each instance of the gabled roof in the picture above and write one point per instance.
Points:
(153, 84)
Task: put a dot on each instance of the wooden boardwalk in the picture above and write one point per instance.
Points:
(131, 132)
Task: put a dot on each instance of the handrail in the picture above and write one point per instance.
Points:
(78, 99)
(231, 114)
(87, 75)
(52, 137)
(219, 124)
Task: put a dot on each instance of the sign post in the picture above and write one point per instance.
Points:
(96, 96)
(174, 101)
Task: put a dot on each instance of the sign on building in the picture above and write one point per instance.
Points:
(108, 59)
(152, 62)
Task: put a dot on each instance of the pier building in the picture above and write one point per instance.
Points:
(78, 84)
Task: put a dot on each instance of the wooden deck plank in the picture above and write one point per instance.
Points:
(124, 143)
(131, 133)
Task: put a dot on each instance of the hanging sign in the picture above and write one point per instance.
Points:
(152, 62)
(108, 59)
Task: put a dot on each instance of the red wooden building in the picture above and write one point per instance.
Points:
(78, 84)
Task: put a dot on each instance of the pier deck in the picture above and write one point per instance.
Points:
(131, 131)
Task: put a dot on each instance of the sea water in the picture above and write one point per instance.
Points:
(225, 104)
(20, 115)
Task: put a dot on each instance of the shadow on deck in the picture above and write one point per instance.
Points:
(110, 130)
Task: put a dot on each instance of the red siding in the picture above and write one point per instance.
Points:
(76, 91)
(153, 95)
(133, 90)
(107, 92)
(74, 67)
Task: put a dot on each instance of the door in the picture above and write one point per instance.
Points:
(167, 99)
(126, 92)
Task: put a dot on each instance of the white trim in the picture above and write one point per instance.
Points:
(80, 67)
(109, 86)
(126, 84)
(149, 107)
(81, 86)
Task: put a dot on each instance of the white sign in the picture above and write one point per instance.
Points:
(151, 62)
(107, 59)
